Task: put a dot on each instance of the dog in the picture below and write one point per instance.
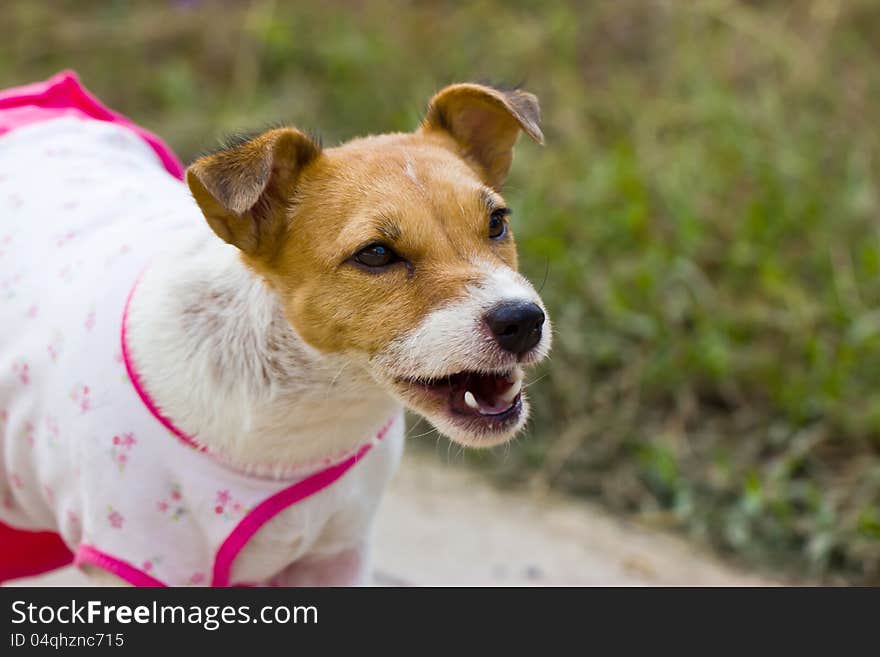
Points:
(204, 384)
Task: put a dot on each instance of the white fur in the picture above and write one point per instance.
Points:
(454, 337)
(410, 170)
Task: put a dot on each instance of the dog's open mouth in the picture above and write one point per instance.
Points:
(491, 400)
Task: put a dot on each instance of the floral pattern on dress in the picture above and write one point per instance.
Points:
(122, 252)
(67, 273)
(9, 286)
(22, 371)
(5, 241)
(149, 564)
(120, 450)
(28, 433)
(197, 579)
(81, 396)
(172, 505)
(55, 347)
(65, 238)
(115, 519)
(52, 431)
(227, 507)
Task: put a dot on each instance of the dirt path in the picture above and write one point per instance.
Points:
(445, 525)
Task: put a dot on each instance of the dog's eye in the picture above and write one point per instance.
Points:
(497, 224)
(376, 255)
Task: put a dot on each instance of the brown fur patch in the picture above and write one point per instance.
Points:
(485, 123)
(243, 191)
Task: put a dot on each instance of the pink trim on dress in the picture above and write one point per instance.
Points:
(63, 95)
(86, 554)
(274, 505)
(138, 385)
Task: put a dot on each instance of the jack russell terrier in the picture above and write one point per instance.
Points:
(178, 409)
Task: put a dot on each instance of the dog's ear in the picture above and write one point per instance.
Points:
(244, 190)
(485, 123)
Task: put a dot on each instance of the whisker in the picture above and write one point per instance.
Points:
(546, 271)
(531, 383)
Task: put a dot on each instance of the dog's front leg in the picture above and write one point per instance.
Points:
(100, 577)
(351, 567)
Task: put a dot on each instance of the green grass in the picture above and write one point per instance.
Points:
(706, 213)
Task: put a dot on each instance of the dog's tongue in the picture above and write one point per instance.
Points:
(485, 394)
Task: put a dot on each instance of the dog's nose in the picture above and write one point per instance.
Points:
(516, 325)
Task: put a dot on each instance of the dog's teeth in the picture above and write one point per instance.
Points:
(470, 400)
(513, 391)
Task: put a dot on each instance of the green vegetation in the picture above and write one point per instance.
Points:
(706, 212)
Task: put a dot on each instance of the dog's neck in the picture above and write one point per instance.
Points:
(213, 349)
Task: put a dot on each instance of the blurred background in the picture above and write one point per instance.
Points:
(703, 222)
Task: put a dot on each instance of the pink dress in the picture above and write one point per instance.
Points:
(90, 470)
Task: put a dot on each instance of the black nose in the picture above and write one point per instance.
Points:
(516, 325)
